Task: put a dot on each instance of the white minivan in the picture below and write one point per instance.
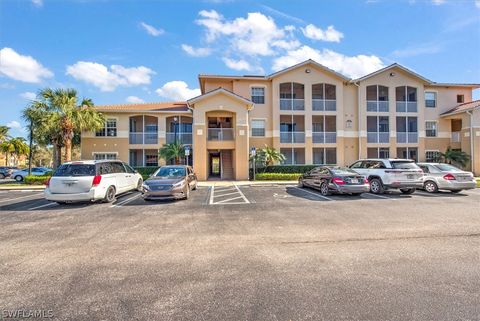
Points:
(91, 181)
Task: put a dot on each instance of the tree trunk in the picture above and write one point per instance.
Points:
(68, 150)
(6, 159)
(57, 156)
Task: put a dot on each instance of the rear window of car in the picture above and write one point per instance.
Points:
(404, 165)
(343, 171)
(447, 168)
(75, 170)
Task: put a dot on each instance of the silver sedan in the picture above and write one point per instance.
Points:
(439, 176)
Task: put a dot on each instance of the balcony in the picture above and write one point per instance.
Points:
(220, 134)
(378, 137)
(406, 106)
(324, 137)
(407, 137)
(143, 138)
(324, 104)
(377, 106)
(292, 104)
(183, 138)
(292, 137)
(455, 137)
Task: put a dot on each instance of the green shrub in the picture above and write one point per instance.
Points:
(36, 180)
(146, 171)
(277, 176)
(478, 182)
(287, 169)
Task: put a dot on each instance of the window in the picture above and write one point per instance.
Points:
(406, 93)
(377, 93)
(258, 127)
(460, 99)
(117, 167)
(324, 91)
(430, 99)
(431, 128)
(258, 95)
(382, 152)
(407, 153)
(432, 156)
(292, 96)
(102, 156)
(110, 129)
(325, 156)
(151, 160)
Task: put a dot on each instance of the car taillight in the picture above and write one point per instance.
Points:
(96, 180)
(338, 181)
(47, 182)
(449, 177)
(366, 181)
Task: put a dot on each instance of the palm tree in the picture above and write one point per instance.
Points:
(455, 156)
(7, 147)
(269, 156)
(4, 133)
(64, 114)
(15, 147)
(174, 151)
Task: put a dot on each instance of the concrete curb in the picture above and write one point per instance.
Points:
(245, 183)
(22, 188)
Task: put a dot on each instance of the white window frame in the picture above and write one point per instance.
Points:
(435, 100)
(252, 95)
(430, 151)
(436, 128)
(252, 127)
(105, 128)
(95, 154)
(463, 98)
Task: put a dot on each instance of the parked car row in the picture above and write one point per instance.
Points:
(379, 175)
(19, 174)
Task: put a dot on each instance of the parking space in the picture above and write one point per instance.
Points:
(227, 195)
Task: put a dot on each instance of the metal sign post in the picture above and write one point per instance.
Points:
(253, 152)
(187, 153)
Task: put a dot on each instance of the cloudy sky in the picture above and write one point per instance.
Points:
(129, 51)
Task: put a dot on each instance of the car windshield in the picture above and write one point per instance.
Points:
(448, 168)
(343, 171)
(404, 165)
(171, 172)
(75, 170)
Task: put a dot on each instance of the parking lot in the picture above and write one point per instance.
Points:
(232, 252)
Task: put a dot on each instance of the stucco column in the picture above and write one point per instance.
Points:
(199, 145)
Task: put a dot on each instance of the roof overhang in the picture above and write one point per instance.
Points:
(191, 102)
(393, 66)
(309, 62)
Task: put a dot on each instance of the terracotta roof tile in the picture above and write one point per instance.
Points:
(158, 106)
(463, 107)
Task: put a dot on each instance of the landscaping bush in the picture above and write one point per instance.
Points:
(478, 182)
(277, 176)
(287, 169)
(36, 180)
(146, 171)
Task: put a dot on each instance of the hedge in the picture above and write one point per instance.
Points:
(146, 171)
(277, 176)
(287, 169)
(36, 180)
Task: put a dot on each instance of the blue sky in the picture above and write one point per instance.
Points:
(146, 50)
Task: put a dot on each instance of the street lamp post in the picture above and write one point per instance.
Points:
(175, 119)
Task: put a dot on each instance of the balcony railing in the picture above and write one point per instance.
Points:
(406, 106)
(143, 138)
(292, 137)
(292, 104)
(183, 138)
(324, 137)
(220, 134)
(407, 137)
(324, 104)
(377, 106)
(455, 137)
(378, 137)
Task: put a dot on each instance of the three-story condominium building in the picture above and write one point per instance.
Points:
(309, 112)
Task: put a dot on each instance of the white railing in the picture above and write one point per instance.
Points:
(182, 138)
(406, 106)
(455, 137)
(407, 137)
(143, 138)
(378, 137)
(292, 104)
(292, 137)
(377, 106)
(324, 104)
(324, 137)
(220, 134)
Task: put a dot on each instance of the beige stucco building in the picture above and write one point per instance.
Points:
(312, 114)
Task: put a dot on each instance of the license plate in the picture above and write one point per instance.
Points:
(354, 181)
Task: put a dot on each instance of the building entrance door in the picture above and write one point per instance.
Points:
(215, 165)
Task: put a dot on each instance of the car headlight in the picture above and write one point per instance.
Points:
(179, 184)
(145, 187)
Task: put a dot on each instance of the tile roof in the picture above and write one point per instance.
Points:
(159, 106)
(463, 107)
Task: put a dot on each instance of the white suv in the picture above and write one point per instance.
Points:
(91, 181)
(385, 174)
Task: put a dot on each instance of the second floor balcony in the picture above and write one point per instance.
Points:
(287, 137)
(220, 134)
(378, 137)
(143, 137)
(407, 137)
(181, 137)
(324, 104)
(407, 107)
(377, 106)
(292, 104)
(324, 137)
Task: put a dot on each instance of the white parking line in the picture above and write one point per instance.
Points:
(227, 191)
(221, 195)
(128, 200)
(17, 198)
(243, 195)
(314, 194)
(42, 206)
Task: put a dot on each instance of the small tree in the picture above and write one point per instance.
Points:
(174, 151)
(455, 156)
(269, 156)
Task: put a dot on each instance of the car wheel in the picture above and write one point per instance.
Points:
(407, 190)
(324, 189)
(376, 186)
(456, 191)
(139, 185)
(18, 178)
(430, 187)
(187, 192)
(109, 195)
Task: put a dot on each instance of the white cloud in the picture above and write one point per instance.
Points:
(22, 68)
(196, 52)
(14, 124)
(108, 80)
(37, 3)
(28, 95)
(134, 100)
(422, 49)
(477, 3)
(237, 64)
(177, 90)
(438, 2)
(316, 33)
(151, 30)
(351, 66)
